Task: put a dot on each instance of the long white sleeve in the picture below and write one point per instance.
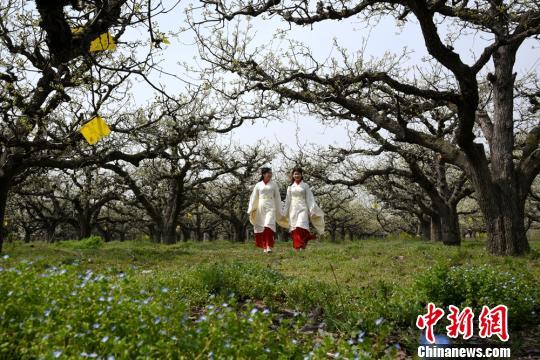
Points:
(316, 214)
(310, 199)
(253, 199)
(287, 204)
(277, 200)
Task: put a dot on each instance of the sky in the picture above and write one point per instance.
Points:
(374, 39)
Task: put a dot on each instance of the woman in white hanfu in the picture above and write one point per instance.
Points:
(264, 210)
(300, 208)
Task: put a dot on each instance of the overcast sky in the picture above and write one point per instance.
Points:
(352, 34)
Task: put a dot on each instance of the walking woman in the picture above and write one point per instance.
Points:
(264, 210)
(300, 208)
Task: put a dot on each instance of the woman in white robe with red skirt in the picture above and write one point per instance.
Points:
(300, 208)
(264, 210)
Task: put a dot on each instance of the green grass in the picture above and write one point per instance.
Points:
(370, 290)
(356, 264)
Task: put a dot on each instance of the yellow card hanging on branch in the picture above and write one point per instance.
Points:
(103, 42)
(95, 129)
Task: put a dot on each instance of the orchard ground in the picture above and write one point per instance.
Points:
(217, 299)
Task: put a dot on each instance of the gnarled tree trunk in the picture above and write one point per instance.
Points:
(500, 195)
(424, 227)
(436, 231)
(504, 214)
(450, 233)
(239, 231)
(85, 228)
(168, 233)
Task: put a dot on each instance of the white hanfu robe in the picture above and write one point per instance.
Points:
(300, 208)
(264, 207)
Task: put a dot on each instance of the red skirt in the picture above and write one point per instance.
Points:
(265, 239)
(300, 237)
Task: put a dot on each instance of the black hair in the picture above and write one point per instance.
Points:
(296, 169)
(264, 170)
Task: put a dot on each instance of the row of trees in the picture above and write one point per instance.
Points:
(167, 199)
(454, 132)
(170, 199)
(457, 108)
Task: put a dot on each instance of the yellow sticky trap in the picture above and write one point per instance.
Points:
(95, 129)
(103, 42)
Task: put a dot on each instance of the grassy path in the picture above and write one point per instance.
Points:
(347, 300)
